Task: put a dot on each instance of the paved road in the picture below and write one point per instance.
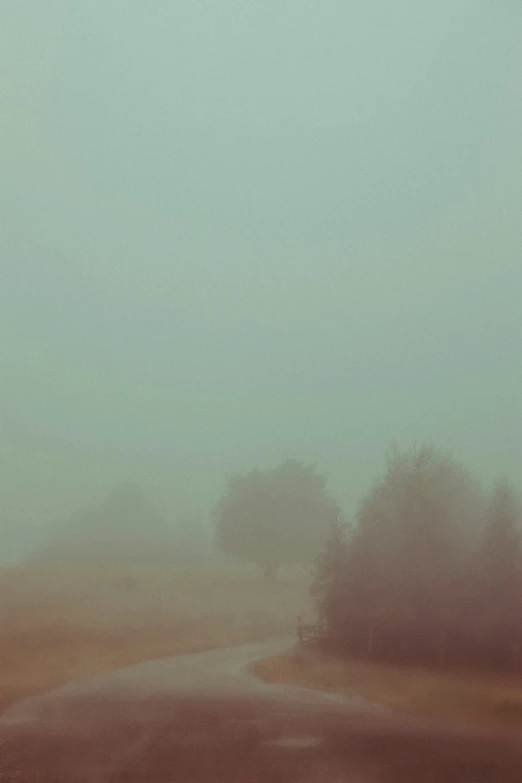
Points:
(204, 718)
(216, 674)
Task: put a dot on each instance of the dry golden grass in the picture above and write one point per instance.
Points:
(60, 624)
(489, 701)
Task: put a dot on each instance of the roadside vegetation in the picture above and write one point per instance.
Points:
(431, 573)
(420, 602)
(474, 699)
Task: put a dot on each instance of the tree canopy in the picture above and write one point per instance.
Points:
(430, 572)
(275, 517)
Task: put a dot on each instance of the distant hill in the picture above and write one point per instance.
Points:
(126, 528)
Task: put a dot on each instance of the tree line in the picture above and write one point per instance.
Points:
(431, 571)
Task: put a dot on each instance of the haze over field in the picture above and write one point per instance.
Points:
(239, 232)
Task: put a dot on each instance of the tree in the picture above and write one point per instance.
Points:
(330, 567)
(127, 528)
(347, 591)
(496, 583)
(396, 594)
(275, 517)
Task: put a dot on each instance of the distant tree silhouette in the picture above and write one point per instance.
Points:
(275, 517)
(126, 528)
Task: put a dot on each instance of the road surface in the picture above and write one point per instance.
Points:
(221, 674)
(204, 717)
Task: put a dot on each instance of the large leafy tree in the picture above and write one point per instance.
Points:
(275, 517)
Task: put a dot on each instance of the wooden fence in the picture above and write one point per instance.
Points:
(310, 634)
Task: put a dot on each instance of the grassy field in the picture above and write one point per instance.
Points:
(59, 624)
(469, 699)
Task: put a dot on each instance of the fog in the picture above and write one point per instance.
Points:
(239, 232)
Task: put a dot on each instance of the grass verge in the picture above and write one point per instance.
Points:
(488, 701)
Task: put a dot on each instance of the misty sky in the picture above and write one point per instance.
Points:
(234, 232)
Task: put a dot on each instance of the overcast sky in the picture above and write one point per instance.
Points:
(239, 231)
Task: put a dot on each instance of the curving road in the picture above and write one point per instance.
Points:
(204, 717)
(221, 674)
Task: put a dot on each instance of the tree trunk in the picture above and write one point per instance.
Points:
(269, 572)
